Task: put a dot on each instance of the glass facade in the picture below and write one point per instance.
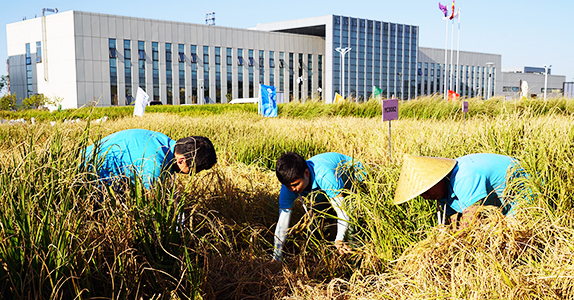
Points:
(281, 72)
(168, 74)
(271, 68)
(206, 98)
(128, 72)
(382, 54)
(38, 52)
(29, 82)
(251, 63)
(181, 62)
(113, 72)
(193, 56)
(141, 64)
(240, 73)
(217, 75)
(229, 63)
(309, 75)
(261, 67)
(291, 77)
(155, 70)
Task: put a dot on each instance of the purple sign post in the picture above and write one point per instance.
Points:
(390, 112)
(464, 111)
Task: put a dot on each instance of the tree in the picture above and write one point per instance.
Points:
(39, 100)
(8, 102)
(4, 82)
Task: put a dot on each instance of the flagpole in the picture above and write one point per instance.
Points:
(451, 83)
(458, 52)
(445, 61)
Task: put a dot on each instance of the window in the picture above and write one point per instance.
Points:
(141, 64)
(113, 72)
(271, 68)
(193, 56)
(240, 73)
(206, 74)
(38, 52)
(128, 72)
(251, 84)
(168, 75)
(181, 55)
(217, 75)
(229, 74)
(29, 84)
(155, 70)
(261, 67)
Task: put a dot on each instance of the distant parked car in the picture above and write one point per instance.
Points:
(155, 102)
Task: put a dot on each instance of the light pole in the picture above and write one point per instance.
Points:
(343, 51)
(546, 79)
(401, 86)
(489, 66)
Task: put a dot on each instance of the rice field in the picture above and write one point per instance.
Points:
(64, 236)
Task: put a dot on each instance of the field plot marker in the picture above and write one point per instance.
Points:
(390, 112)
(464, 111)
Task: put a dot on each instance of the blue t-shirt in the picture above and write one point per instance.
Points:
(330, 173)
(476, 177)
(133, 152)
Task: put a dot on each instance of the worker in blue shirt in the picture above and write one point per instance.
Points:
(460, 185)
(329, 174)
(147, 155)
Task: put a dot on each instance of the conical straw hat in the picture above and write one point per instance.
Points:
(419, 174)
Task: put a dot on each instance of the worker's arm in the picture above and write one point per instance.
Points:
(342, 225)
(281, 233)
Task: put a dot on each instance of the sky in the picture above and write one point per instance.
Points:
(526, 33)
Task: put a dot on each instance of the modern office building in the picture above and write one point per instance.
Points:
(88, 58)
(475, 74)
(380, 54)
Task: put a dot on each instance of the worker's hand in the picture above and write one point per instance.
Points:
(342, 247)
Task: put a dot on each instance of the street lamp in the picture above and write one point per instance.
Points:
(401, 82)
(546, 79)
(489, 84)
(343, 51)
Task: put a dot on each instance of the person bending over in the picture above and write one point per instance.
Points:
(136, 154)
(460, 185)
(327, 174)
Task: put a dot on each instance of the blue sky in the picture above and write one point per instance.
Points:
(525, 33)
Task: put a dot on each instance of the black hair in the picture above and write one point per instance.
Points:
(198, 152)
(290, 167)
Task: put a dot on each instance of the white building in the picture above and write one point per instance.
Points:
(88, 58)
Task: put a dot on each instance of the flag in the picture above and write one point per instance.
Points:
(267, 101)
(456, 14)
(377, 92)
(444, 9)
(452, 15)
(452, 96)
(339, 98)
(142, 100)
